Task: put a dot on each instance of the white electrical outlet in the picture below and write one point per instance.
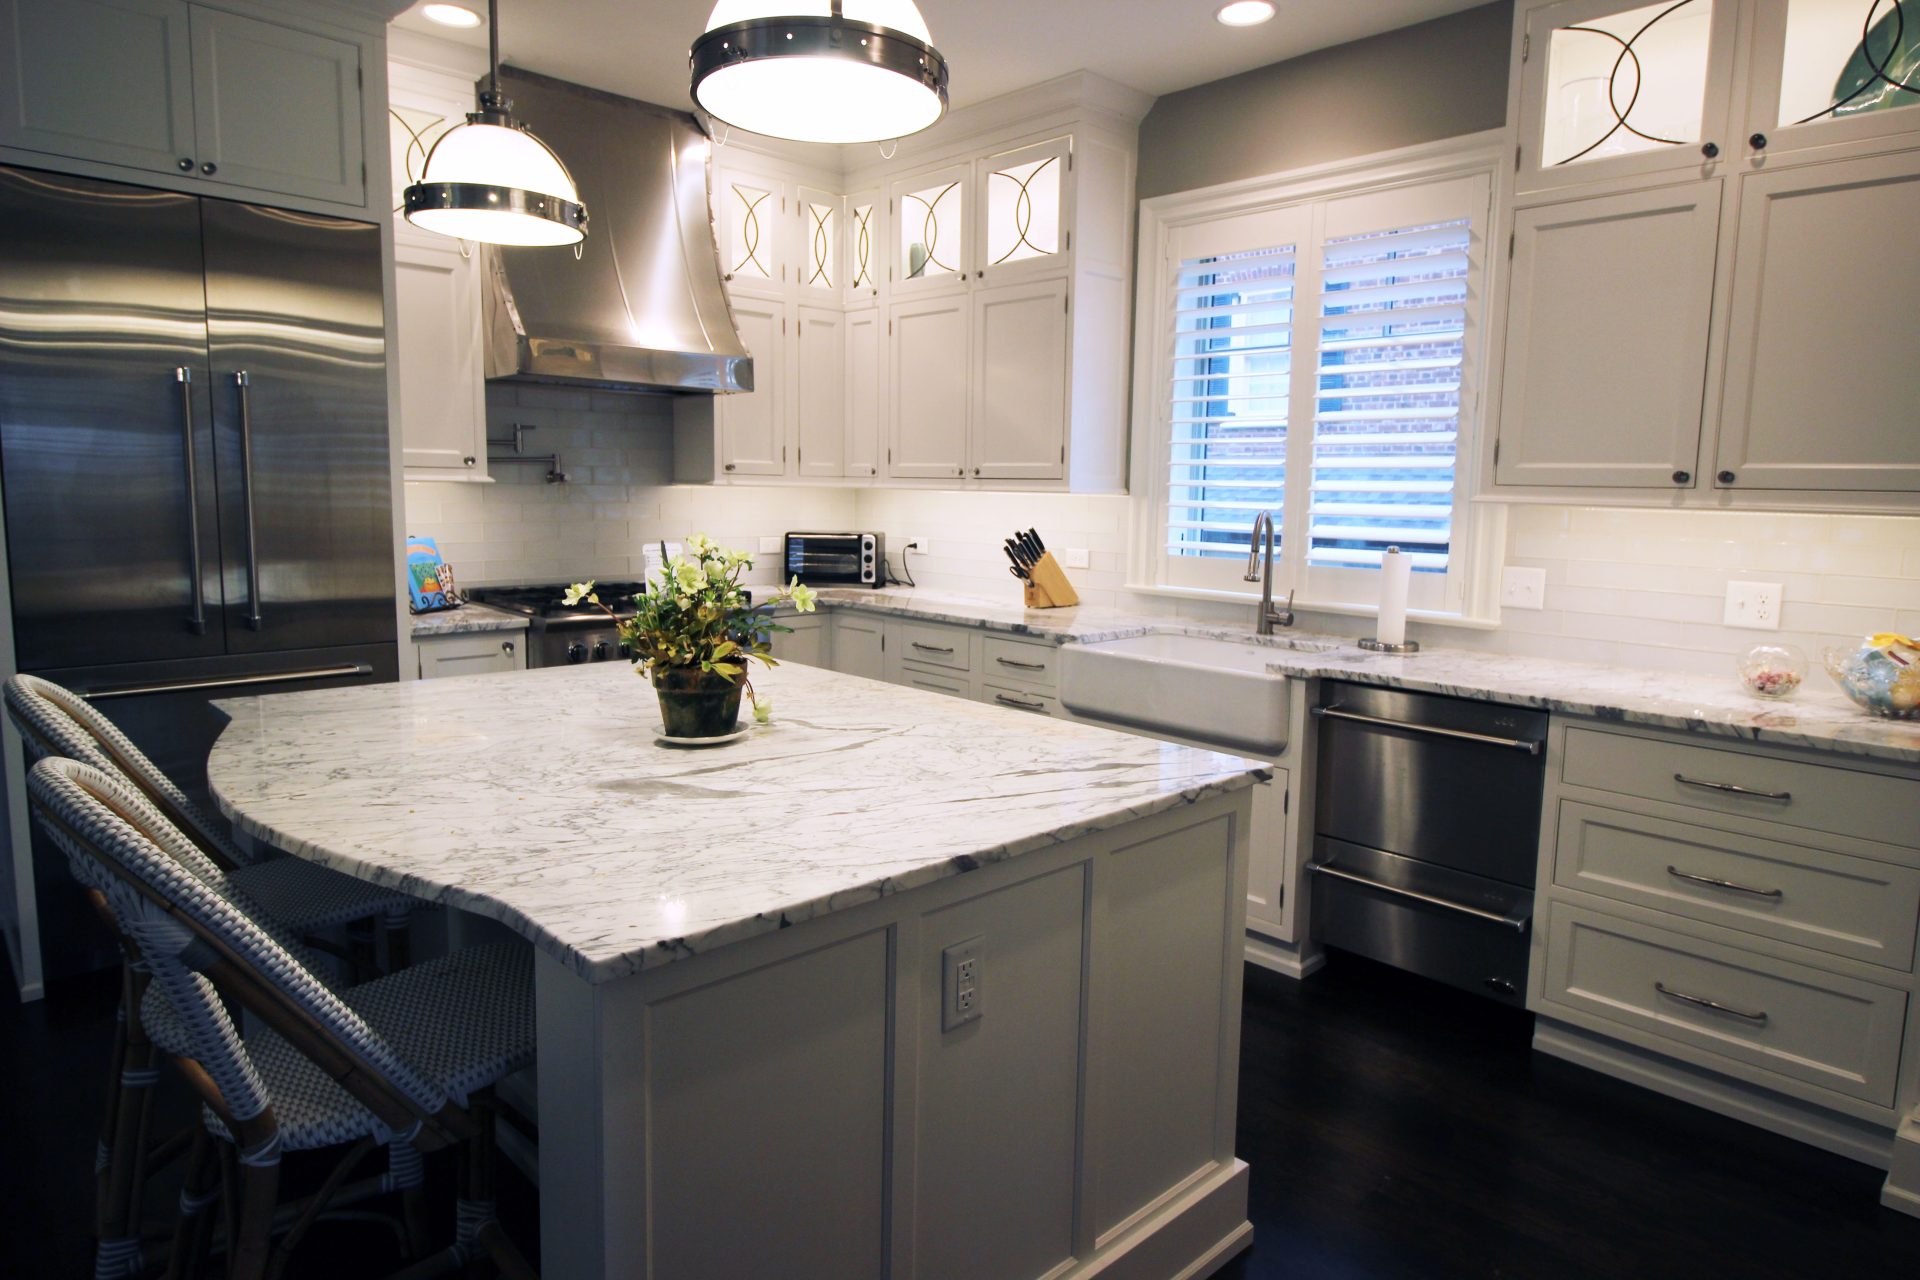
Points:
(1523, 588)
(961, 975)
(1753, 605)
(772, 546)
(1074, 557)
(918, 541)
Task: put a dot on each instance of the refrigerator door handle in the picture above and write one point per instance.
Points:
(243, 381)
(197, 619)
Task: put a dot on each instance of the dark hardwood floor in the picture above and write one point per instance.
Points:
(1396, 1128)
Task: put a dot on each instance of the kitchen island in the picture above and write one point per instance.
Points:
(754, 1054)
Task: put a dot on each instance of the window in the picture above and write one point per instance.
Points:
(1318, 361)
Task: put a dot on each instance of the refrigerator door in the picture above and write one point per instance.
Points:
(297, 345)
(105, 431)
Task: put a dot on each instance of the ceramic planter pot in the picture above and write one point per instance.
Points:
(696, 703)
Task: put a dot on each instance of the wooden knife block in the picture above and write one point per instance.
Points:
(1047, 585)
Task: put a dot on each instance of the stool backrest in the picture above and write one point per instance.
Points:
(54, 720)
(201, 945)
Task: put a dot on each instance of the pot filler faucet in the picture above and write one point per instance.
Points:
(1268, 617)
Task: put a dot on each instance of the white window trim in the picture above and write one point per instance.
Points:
(1480, 528)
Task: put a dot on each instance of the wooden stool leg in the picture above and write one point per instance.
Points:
(253, 1239)
(198, 1193)
(118, 1251)
(110, 1109)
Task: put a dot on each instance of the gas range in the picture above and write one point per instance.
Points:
(559, 634)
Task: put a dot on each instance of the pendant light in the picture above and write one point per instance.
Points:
(491, 180)
(820, 70)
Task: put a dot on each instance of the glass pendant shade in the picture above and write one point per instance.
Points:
(497, 185)
(820, 70)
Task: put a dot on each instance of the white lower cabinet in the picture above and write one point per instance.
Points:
(859, 646)
(807, 641)
(471, 653)
(1031, 701)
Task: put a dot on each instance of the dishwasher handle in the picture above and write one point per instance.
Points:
(1337, 712)
(1517, 924)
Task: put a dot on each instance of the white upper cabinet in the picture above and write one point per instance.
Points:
(821, 260)
(930, 226)
(753, 424)
(865, 392)
(278, 109)
(106, 80)
(1829, 71)
(1611, 300)
(210, 97)
(1611, 90)
(1025, 221)
(820, 400)
(436, 356)
(866, 247)
(749, 214)
(928, 384)
(1019, 418)
(1821, 389)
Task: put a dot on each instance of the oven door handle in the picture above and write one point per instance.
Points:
(1518, 925)
(1337, 712)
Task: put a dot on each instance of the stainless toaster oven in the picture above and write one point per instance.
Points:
(837, 559)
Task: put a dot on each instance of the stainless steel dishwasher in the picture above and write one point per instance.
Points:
(1427, 827)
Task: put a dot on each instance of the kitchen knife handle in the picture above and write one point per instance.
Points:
(197, 619)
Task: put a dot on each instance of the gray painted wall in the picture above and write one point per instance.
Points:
(1436, 80)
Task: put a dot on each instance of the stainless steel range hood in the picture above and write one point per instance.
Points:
(642, 307)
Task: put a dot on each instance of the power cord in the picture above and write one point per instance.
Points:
(903, 568)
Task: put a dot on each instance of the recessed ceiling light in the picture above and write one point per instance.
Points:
(1245, 13)
(458, 15)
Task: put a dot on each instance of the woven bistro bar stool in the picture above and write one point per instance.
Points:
(291, 896)
(406, 1061)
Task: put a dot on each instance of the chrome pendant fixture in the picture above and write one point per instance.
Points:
(820, 70)
(491, 180)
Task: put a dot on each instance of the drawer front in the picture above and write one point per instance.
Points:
(1819, 1028)
(1028, 663)
(1811, 897)
(939, 682)
(936, 646)
(1870, 806)
(1019, 699)
(471, 653)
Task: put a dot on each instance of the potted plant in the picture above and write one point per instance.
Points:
(694, 633)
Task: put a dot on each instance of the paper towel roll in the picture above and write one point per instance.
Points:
(1396, 574)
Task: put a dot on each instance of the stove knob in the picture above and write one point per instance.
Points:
(576, 652)
(601, 650)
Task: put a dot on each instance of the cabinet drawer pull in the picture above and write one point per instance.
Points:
(1709, 881)
(1733, 788)
(1022, 703)
(1758, 1019)
(930, 648)
(1024, 666)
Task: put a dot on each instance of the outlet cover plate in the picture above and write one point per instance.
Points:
(1522, 587)
(1754, 606)
(962, 982)
(1075, 558)
(772, 546)
(918, 541)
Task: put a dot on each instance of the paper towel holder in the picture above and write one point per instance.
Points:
(1394, 559)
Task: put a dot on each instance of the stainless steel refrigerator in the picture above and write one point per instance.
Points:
(194, 457)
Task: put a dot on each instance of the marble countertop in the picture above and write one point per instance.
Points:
(1819, 718)
(467, 618)
(540, 799)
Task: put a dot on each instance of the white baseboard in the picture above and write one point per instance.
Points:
(1843, 1135)
(1902, 1189)
(1900, 1200)
(1189, 1235)
(1281, 957)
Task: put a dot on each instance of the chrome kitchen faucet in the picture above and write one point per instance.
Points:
(1268, 617)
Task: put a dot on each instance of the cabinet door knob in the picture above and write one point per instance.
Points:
(1710, 150)
(468, 460)
(506, 646)
(729, 466)
(186, 164)
(1683, 477)
(1758, 142)
(976, 471)
(1727, 477)
(960, 471)
(209, 168)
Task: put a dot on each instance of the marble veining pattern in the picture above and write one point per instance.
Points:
(466, 619)
(541, 800)
(1820, 718)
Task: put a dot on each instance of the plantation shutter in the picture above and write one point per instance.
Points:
(1392, 305)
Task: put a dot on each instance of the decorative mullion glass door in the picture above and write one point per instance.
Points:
(1025, 212)
(1619, 90)
(820, 262)
(752, 211)
(929, 217)
(1828, 71)
(865, 247)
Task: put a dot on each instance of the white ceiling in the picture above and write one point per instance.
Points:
(639, 47)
